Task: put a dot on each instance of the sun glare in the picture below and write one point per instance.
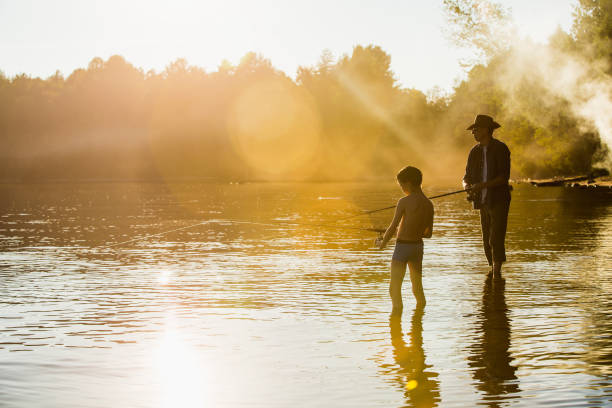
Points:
(275, 127)
(183, 376)
(164, 277)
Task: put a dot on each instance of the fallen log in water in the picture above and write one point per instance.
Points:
(596, 178)
(561, 181)
(602, 183)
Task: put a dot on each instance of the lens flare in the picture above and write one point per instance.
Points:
(275, 128)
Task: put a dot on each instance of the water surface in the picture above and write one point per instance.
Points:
(229, 314)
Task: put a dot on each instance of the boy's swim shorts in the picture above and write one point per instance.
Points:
(408, 251)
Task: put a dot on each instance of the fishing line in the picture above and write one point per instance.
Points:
(377, 230)
(155, 235)
(273, 224)
(393, 206)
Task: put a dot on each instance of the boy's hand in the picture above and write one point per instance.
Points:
(379, 243)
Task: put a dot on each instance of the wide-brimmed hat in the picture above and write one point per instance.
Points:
(484, 121)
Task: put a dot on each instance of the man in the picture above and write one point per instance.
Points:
(486, 176)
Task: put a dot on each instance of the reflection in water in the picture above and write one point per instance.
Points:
(421, 388)
(229, 314)
(490, 357)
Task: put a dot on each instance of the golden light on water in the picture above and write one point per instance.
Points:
(182, 375)
(411, 385)
(164, 277)
(275, 127)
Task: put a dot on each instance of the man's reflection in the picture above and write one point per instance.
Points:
(490, 358)
(421, 388)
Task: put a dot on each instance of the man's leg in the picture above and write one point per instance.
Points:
(485, 225)
(416, 279)
(398, 271)
(499, 223)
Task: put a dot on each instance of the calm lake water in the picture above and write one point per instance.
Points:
(229, 314)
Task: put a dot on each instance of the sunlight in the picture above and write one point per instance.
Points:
(275, 127)
(379, 112)
(411, 385)
(416, 145)
(164, 277)
(184, 381)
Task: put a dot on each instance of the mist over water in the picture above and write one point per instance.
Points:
(552, 99)
(228, 314)
(584, 86)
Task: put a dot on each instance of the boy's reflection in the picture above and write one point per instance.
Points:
(421, 388)
(490, 356)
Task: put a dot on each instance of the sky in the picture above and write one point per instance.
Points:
(40, 37)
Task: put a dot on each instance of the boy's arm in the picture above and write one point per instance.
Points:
(399, 211)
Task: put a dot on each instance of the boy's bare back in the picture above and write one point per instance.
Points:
(416, 213)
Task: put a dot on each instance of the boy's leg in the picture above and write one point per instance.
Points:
(398, 271)
(416, 274)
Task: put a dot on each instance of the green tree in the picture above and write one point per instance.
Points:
(592, 28)
(479, 25)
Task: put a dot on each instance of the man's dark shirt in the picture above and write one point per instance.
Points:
(498, 163)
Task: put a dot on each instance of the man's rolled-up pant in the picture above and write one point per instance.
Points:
(494, 220)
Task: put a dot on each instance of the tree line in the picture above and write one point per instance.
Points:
(342, 119)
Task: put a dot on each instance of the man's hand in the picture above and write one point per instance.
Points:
(470, 193)
(379, 243)
(472, 189)
(477, 187)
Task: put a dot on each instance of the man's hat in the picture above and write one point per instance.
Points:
(484, 121)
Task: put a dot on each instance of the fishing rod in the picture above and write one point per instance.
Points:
(393, 206)
(377, 230)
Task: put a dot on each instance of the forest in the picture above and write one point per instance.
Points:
(345, 119)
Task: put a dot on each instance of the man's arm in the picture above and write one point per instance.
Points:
(429, 228)
(397, 217)
(467, 178)
(504, 164)
(503, 158)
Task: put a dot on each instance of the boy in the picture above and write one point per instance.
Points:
(415, 212)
